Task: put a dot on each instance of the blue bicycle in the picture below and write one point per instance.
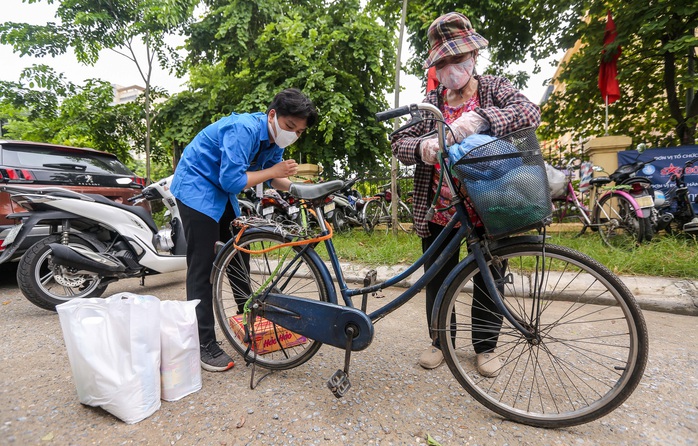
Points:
(571, 341)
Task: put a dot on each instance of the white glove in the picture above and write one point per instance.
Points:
(428, 150)
(467, 124)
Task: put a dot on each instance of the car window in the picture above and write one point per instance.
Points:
(55, 158)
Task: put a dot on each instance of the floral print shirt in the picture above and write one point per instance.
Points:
(441, 188)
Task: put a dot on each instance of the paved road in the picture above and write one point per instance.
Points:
(392, 401)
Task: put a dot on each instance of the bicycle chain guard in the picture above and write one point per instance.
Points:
(321, 321)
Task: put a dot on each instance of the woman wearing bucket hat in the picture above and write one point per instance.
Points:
(470, 104)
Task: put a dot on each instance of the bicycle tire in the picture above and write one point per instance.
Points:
(372, 212)
(340, 222)
(592, 341)
(404, 216)
(618, 224)
(303, 280)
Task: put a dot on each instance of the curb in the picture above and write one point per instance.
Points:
(667, 295)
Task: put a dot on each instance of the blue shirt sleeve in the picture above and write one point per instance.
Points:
(239, 140)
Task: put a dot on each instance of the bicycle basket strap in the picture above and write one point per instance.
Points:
(502, 156)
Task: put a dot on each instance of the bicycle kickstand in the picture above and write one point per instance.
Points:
(339, 382)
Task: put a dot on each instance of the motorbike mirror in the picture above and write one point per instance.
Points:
(641, 147)
(597, 169)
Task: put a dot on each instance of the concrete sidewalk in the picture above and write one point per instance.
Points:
(677, 296)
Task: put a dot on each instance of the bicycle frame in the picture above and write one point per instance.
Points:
(444, 250)
(571, 198)
(444, 253)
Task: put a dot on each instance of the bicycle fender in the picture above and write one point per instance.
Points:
(627, 196)
(30, 220)
(466, 261)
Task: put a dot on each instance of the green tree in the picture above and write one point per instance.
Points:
(339, 53)
(655, 74)
(43, 106)
(89, 26)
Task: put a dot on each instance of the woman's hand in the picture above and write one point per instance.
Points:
(467, 124)
(428, 150)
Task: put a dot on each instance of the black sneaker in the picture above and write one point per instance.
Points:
(214, 359)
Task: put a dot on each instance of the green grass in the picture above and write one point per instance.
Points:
(375, 249)
(664, 256)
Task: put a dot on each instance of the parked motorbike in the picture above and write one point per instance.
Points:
(674, 210)
(347, 210)
(276, 207)
(282, 207)
(93, 241)
(249, 203)
(640, 188)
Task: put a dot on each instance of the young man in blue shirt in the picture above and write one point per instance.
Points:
(235, 152)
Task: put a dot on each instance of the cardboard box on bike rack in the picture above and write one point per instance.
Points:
(267, 338)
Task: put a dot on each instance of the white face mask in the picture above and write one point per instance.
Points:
(455, 76)
(283, 138)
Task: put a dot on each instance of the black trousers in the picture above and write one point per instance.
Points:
(202, 232)
(486, 319)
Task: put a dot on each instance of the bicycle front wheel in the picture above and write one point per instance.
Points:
(618, 224)
(589, 348)
(237, 275)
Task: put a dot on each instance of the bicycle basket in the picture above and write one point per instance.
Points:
(507, 183)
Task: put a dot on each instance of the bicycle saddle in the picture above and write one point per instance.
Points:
(600, 180)
(309, 191)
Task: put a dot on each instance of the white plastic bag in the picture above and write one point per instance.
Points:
(180, 369)
(114, 352)
(557, 180)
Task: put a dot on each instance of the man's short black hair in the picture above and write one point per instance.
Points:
(291, 102)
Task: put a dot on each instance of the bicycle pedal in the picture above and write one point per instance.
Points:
(339, 383)
(371, 278)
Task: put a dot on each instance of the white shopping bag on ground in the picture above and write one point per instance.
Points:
(114, 351)
(180, 369)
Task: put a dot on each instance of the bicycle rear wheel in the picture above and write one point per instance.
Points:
(618, 224)
(591, 342)
(372, 213)
(235, 278)
(404, 216)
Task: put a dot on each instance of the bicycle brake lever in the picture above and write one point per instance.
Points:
(415, 118)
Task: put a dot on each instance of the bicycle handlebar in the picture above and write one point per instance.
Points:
(412, 109)
(392, 113)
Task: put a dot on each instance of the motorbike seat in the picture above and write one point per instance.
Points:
(600, 181)
(142, 213)
(309, 191)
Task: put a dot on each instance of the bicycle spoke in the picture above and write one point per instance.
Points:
(588, 349)
(286, 270)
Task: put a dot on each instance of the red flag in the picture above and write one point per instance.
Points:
(432, 81)
(608, 71)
